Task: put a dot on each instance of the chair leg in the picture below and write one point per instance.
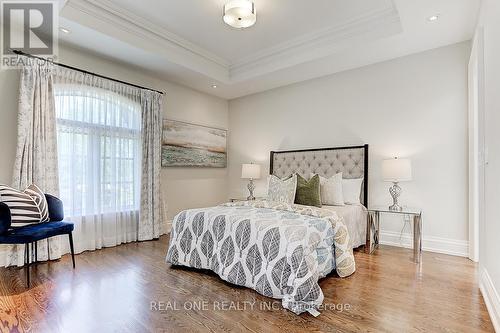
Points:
(48, 250)
(28, 264)
(71, 248)
(36, 251)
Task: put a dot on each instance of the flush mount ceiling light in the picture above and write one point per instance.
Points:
(240, 14)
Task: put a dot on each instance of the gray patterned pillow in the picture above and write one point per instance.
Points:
(282, 190)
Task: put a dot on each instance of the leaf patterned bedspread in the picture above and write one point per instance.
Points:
(279, 250)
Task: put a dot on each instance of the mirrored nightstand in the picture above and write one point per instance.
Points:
(373, 228)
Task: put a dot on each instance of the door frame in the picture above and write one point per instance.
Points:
(476, 143)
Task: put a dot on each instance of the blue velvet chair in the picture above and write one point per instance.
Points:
(32, 233)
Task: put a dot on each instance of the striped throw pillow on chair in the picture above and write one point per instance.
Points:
(28, 206)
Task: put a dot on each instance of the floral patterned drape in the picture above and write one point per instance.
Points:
(150, 221)
(36, 155)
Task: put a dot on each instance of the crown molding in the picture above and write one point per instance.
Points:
(139, 32)
(112, 17)
(367, 27)
(140, 25)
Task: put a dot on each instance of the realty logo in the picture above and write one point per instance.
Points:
(29, 27)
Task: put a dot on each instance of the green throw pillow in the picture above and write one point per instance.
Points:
(308, 191)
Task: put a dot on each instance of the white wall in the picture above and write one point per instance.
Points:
(183, 187)
(415, 106)
(489, 244)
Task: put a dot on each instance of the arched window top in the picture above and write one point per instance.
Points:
(99, 150)
(96, 106)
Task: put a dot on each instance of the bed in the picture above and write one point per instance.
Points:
(280, 250)
(352, 161)
(355, 217)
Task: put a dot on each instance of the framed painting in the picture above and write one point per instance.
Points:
(190, 145)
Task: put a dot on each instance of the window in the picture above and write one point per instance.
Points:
(99, 149)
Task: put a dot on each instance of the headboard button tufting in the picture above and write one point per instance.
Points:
(324, 162)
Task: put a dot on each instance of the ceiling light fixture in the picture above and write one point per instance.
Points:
(433, 18)
(240, 14)
(214, 86)
(66, 31)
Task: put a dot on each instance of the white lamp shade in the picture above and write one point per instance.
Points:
(250, 171)
(396, 170)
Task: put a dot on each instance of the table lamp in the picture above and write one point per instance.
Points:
(396, 170)
(250, 171)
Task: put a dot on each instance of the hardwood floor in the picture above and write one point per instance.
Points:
(112, 290)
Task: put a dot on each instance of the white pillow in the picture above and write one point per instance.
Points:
(331, 190)
(351, 189)
(282, 190)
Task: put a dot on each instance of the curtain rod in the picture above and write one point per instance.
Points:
(84, 71)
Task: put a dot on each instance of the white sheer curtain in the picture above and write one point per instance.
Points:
(107, 155)
(99, 155)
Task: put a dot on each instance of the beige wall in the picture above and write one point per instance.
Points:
(9, 92)
(183, 187)
(415, 106)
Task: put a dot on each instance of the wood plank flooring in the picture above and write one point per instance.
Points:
(130, 288)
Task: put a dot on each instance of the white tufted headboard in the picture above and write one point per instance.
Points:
(351, 161)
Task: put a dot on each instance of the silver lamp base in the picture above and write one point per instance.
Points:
(251, 187)
(395, 191)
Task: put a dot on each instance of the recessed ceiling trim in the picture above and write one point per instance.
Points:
(144, 24)
(368, 27)
(351, 48)
(347, 28)
(112, 17)
(299, 50)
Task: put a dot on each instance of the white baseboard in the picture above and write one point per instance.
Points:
(491, 298)
(433, 244)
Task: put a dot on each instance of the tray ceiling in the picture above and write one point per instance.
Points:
(186, 41)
